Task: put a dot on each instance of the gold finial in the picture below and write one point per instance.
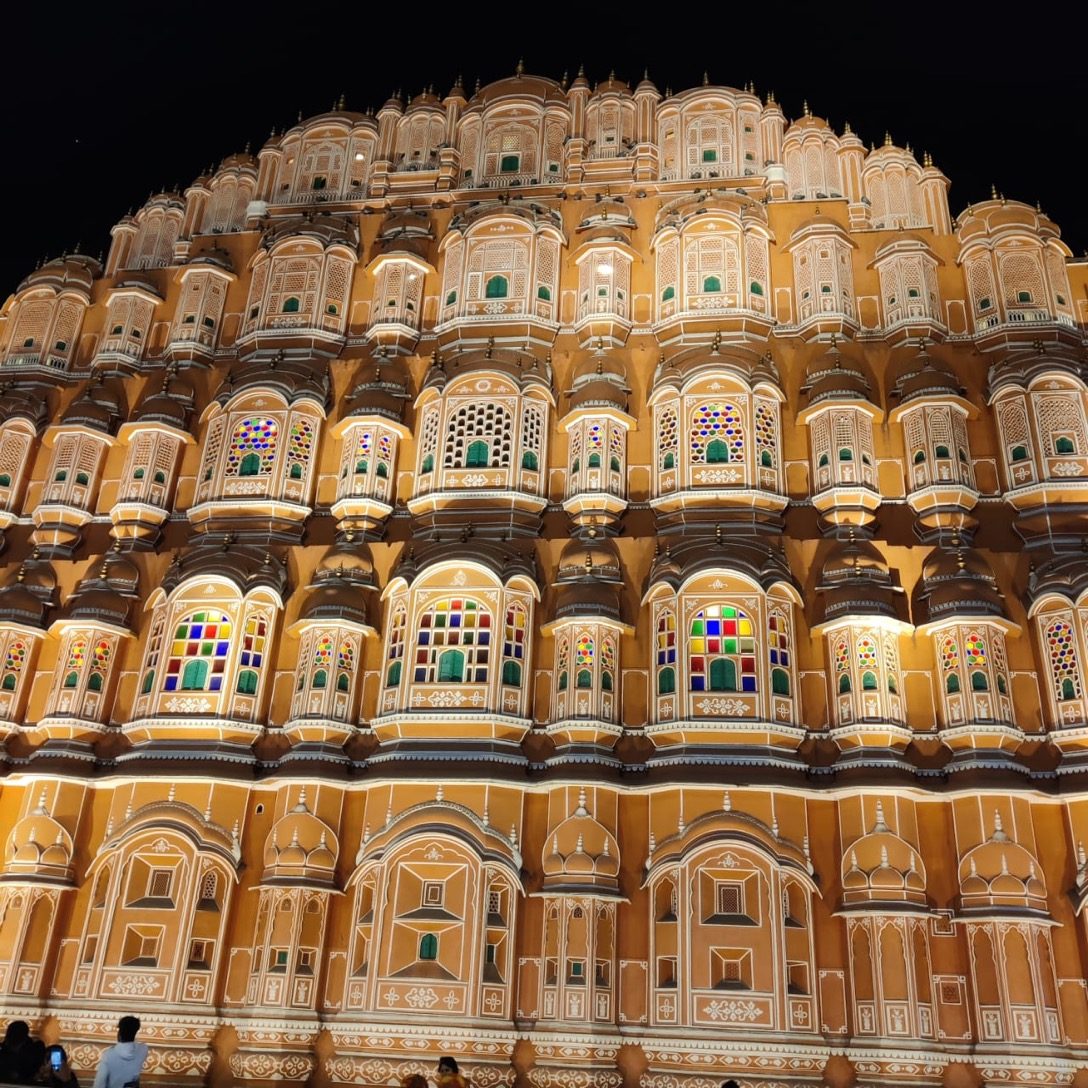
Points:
(490, 347)
(21, 576)
(519, 71)
(706, 78)
(612, 75)
(716, 344)
(805, 110)
(771, 99)
(993, 191)
(589, 562)
(888, 139)
(927, 159)
(565, 81)
(341, 102)
(1038, 207)
(718, 534)
(847, 130)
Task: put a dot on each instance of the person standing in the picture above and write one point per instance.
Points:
(20, 1055)
(449, 1076)
(121, 1064)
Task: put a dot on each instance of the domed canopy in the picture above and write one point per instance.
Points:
(581, 855)
(747, 556)
(609, 212)
(101, 406)
(72, 271)
(830, 377)
(522, 367)
(246, 566)
(1064, 574)
(599, 381)
(957, 582)
(343, 585)
(25, 599)
(747, 365)
(38, 850)
(292, 377)
(405, 230)
(501, 559)
(520, 86)
(921, 375)
(28, 402)
(106, 594)
(589, 579)
(611, 85)
(213, 256)
(381, 390)
(329, 230)
(300, 850)
(855, 581)
(1000, 876)
(170, 404)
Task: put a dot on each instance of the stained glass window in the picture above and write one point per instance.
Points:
(868, 663)
(396, 647)
(666, 639)
(974, 649)
(254, 641)
(14, 660)
(345, 664)
(608, 664)
(319, 671)
(721, 650)
(300, 445)
(717, 434)
(513, 649)
(842, 666)
(203, 637)
(363, 447)
(1064, 668)
(460, 622)
(252, 447)
(778, 643)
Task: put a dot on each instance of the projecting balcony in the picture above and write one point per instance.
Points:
(699, 318)
(603, 322)
(1017, 327)
(119, 354)
(395, 328)
(350, 193)
(292, 332)
(824, 316)
(912, 320)
(46, 362)
(192, 342)
(475, 322)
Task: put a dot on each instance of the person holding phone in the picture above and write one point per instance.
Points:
(56, 1072)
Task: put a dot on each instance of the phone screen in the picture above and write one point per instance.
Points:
(55, 1059)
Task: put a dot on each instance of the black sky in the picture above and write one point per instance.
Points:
(106, 104)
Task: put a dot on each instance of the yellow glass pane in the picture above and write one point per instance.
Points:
(697, 645)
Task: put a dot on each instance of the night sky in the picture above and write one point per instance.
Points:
(106, 105)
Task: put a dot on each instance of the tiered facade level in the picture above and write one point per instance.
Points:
(588, 581)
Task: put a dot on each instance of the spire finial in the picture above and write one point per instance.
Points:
(706, 78)
(999, 829)
(993, 191)
(805, 110)
(519, 71)
(581, 809)
(888, 139)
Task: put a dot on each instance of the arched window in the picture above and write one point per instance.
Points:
(529, 460)
(459, 622)
(195, 675)
(666, 681)
(952, 683)
(716, 425)
(497, 287)
(584, 653)
(844, 684)
(711, 284)
(1064, 444)
(721, 650)
(204, 638)
(428, 947)
(392, 675)
(868, 663)
(252, 448)
(666, 651)
(563, 680)
(247, 682)
(291, 304)
(345, 665)
(511, 673)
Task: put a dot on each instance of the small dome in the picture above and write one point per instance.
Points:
(830, 377)
(240, 160)
(25, 603)
(520, 86)
(611, 85)
(608, 212)
(747, 556)
(522, 367)
(214, 256)
(809, 122)
(957, 582)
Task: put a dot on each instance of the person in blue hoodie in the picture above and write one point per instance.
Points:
(121, 1064)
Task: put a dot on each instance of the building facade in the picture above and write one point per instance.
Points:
(589, 581)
